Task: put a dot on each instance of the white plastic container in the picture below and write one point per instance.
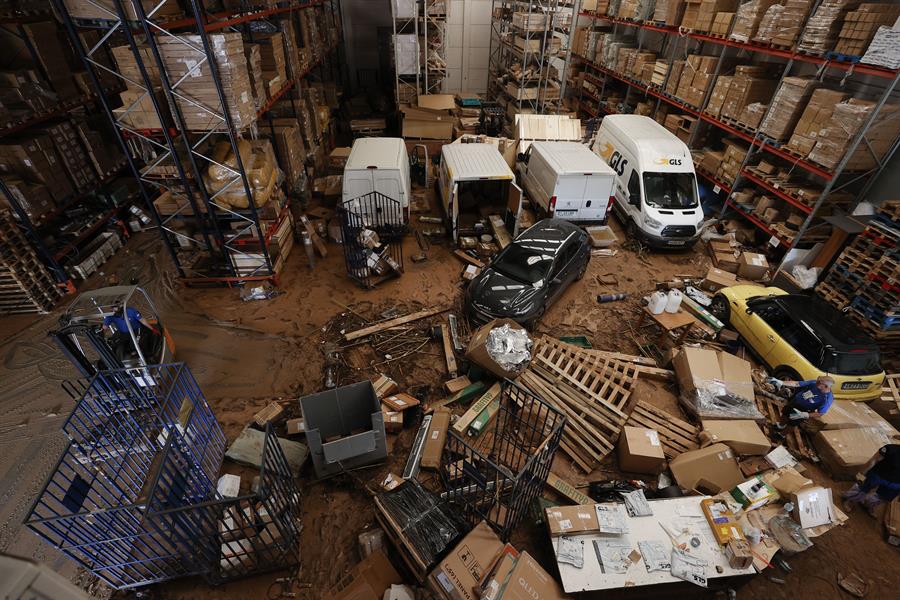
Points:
(658, 302)
(673, 301)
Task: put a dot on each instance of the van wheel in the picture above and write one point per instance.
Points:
(631, 230)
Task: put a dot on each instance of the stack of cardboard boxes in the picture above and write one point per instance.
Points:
(787, 105)
(74, 159)
(845, 123)
(721, 23)
(782, 27)
(860, 26)
(747, 19)
(735, 151)
(36, 160)
(272, 62)
(696, 76)
(691, 15)
(254, 70)
(635, 10)
(184, 62)
(137, 110)
(851, 435)
(718, 95)
(709, 10)
(824, 25)
(816, 116)
(669, 12)
(748, 85)
(23, 93)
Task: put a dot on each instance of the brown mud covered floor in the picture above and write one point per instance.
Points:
(245, 354)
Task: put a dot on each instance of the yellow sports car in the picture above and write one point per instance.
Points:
(802, 337)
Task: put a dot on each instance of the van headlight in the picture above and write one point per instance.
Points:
(651, 223)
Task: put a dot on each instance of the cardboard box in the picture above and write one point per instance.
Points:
(846, 414)
(743, 436)
(462, 570)
(435, 439)
(813, 506)
(844, 452)
(478, 354)
(366, 581)
(752, 266)
(721, 520)
(716, 279)
(788, 480)
(699, 370)
(528, 581)
(738, 554)
(726, 261)
(569, 520)
(754, 493)
(640, 451)
(711, 469)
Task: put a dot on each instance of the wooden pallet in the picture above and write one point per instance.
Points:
(590, 389)
(794, 438)
(25, 284)
(676, 436)
(890, 389)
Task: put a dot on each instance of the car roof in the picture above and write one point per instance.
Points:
(550, 234)
(829, 324)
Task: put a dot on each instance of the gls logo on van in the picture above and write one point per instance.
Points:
(614, 159)
(672, 162)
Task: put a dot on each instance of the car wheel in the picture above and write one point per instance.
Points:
(720, 309)
(787, 374)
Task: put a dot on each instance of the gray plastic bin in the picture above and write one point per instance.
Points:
(352, 414)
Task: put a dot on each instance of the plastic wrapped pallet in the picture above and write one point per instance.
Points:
(106, 9)
(824, 25)
(691, 14)
(816, 116)
(787, 29)
(846, 121)
(752, 114)
(747, 19)
(636, 10)
(184, 63)
(860, 26)
(769, 24)
(254, 70)
(669, 12)
(747, 86)
(884, 50)
(259, 166)
(787, 106)
(709, 9)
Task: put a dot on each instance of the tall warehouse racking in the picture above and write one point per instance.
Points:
(134, 498)
(639, 63)
(57, 175)
(203, 117)
(419, 48)
(530, 55)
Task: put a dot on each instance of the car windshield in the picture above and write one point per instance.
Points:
(859, 362)
(670, 190)
(524, 264)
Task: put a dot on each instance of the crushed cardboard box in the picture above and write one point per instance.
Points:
(710, 470)
(743, 436)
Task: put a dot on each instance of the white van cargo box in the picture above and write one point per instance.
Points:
(378, 165)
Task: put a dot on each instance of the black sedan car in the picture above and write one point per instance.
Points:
(530, 274)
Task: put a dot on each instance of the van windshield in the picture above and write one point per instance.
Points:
(670, 190)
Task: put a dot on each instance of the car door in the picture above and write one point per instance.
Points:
(564, 269)
(765, 320)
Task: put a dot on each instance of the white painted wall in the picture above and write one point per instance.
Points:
(468, 45)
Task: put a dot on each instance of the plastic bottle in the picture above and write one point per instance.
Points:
(673, 301)
(657, 303)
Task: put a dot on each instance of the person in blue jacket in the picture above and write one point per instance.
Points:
(810, 398)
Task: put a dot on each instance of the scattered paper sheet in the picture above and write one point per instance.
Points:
(656, 555)
(688, 568)
(613, 555)
(570, 551)
(636, 503)
(611, 519)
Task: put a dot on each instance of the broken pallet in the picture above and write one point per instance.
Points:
(676, 436)
(770, 406)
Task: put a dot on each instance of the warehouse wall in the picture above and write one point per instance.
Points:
(887, 186)
(468, 45)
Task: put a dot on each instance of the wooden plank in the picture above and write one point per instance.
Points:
(466, 258)
(366, 331)
(672, 422)
(316, 240)
(479, 405)
(499, 229)
(457, 384)
(567, 489)
(449, 355)
(640, 360)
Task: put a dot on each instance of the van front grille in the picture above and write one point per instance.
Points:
(679, 231)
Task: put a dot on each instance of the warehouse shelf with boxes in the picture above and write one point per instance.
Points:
(60, 177)
(529, 55)
(419, 45)
(784, 122)
(225, 115)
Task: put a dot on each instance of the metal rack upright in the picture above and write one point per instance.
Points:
(211, 241)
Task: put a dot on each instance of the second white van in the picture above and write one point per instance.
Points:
(656, 189)
(378, 165)
(568, 181)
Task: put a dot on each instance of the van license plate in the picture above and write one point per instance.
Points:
(564, 213)
(676, 242)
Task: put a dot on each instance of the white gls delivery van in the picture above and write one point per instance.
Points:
(475, 182)
(378, 165)
(568, 181)
(656, 189)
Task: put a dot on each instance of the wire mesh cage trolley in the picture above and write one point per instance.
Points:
(133, 497)
(496, 474)
(372, 229)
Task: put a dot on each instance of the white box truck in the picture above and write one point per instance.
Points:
(475, 182)
(656, 194)
(378, 165)
(568, 181)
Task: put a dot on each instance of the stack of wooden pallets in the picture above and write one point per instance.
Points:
(25, 284)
